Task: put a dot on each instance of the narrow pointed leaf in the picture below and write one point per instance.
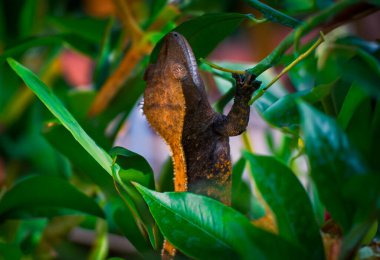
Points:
(45, 196)
(59, 111)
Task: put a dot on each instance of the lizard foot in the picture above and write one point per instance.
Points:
(246, 84)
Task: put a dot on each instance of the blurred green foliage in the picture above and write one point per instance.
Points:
(59, 171)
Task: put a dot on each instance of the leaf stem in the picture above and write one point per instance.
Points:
(247, 142)
(320, 18)
(287, 68)
(213, 65)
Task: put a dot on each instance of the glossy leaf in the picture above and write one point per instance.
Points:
(289, 202)
(205, 32)
(135, 169)
(58, 110)
(284, 112)
(333, 162)
(45, 196)
(203, 228)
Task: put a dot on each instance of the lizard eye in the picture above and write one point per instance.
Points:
(178, 71)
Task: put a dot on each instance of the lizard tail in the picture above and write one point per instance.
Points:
(168, 251)
(179, 166)
(180, 184)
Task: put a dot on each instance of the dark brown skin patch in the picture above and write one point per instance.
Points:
(176, 106)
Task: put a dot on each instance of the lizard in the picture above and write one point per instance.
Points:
(177, 108)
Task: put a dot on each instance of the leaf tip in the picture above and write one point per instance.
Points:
(11, 61)
(140, 188)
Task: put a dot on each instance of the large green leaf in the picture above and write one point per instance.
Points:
(205, 32)
(45, 196)
(284, 113)
(59, 111)
(333, 162)
(204, 228)
(288, 200)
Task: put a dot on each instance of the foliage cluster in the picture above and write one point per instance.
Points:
(61, 170)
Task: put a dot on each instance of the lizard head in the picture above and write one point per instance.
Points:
(177, 59)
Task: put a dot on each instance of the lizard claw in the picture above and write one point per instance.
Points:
(246, 84)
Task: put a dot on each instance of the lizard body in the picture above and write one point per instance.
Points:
(176, 106)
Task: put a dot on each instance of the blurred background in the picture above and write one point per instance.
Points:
(63, 41)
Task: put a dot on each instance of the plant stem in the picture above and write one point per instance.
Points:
(320, 18)
(287, 68)
(247, 142)
(213, 65)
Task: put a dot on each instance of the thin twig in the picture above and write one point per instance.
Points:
(311, 23)
(247, 142)
(287, 68)
(213, 65)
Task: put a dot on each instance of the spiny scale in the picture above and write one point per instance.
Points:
(164, 107)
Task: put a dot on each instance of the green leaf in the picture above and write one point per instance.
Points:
(333, 162)
(165, 181)
(59, 111)
(52, 40)
(61, 139)
(127, 225)
(363, 69)
(353, 99)
(273, 14)
(241, 193)
(155, 9)
(10, 251)
(288, 200)
(284, 112)
(134, 167)
(28, 17)
(204, 228)
(205, 32)
(89, 28)
(45, 196)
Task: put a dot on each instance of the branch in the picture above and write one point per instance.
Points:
(324, 17)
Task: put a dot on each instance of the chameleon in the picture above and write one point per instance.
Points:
(177, 108)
